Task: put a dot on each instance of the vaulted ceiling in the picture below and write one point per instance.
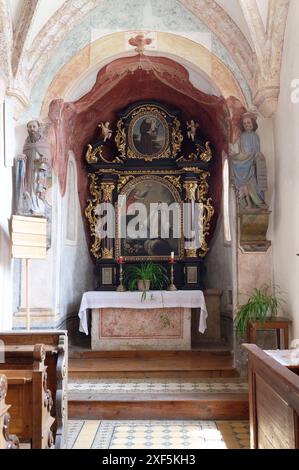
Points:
(252, 32)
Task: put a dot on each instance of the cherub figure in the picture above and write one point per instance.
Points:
(106, 131)
(192, 126)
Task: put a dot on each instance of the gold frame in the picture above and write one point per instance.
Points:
(124, 191)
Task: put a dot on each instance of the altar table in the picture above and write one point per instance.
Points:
(122, 320)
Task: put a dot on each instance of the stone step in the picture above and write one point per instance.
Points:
(158, 399)
(146, 364)
(158, 406)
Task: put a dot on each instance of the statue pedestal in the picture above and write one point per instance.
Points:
(253, 226)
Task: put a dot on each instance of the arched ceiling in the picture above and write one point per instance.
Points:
(46, 9)
(251, 31)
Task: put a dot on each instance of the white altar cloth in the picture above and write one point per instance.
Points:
(154, 299)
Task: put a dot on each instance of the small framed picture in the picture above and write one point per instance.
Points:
(107, 276)
(192, 275)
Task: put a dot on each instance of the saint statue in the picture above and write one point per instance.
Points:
(248, 166)
(31, 173)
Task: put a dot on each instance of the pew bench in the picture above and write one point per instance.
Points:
(31, 402)
(19, 353)
(7, 441)
(273, 402)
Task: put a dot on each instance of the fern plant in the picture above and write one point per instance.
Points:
(261, 305)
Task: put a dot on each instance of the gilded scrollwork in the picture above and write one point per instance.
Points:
(206, 155)
(107, 253)
(120, 139)
(177, 137)
(107, 191)
(122, 181)
(92, 155)
(175, 180)
(190, 187)
(206, 213)
(203, 186)
(92, 216)
(190, 252)
(202, 153)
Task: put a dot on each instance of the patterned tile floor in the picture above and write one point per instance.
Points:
(87, 434)
(234, 385)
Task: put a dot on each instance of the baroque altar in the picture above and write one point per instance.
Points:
(149, 156)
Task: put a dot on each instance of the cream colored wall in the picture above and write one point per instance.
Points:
(5, 212)
(286, 215)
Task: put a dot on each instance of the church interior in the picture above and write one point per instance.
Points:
(149, 152)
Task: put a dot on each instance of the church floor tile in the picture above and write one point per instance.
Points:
(229, 385)
(145, 434)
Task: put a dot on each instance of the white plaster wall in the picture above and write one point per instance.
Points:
(5, 213)
(76, 267)
(286, 217)
(219, 265)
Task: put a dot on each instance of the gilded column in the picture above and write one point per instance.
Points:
(107, 244)
(190, 187)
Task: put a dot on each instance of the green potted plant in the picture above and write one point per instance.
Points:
(261, 305)
(145, 276)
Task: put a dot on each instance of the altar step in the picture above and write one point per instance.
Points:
(147, 364)
(225, 399)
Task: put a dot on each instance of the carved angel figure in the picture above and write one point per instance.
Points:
(106, 131)
(192, 126)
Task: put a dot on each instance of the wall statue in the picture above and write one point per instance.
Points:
(248, 166)
(32, 174)
(249, 177)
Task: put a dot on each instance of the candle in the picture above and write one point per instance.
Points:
(121, 260)
(172, 255)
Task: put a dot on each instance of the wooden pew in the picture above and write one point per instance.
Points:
(273, 402)
(7, 441)
(31, 402)
(18, 352)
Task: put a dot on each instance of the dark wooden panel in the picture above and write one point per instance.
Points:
(273, 402)
(274, 417)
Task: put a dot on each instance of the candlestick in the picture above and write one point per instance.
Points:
(171, 285)
(121, 287)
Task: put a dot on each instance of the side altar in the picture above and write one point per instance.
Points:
(123, 321)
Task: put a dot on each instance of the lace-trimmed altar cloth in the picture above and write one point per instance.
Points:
(154, 299)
